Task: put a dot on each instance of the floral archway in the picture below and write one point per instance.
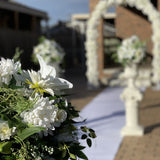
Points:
(92, 33)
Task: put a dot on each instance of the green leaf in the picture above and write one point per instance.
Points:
(29, 131)
(84, 136)
(41, 39)
(84, 129)
(92, 135)
(91, 130)
(8, 157)
(64, 152)
(4, 117)
(5, 147)
(81, 155)
(80, 147)
(17, 54)
(72, 156)
(89, 142)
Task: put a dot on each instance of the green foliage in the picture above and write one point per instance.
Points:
(84, 136)
(84, 128)
(17, 54)
(11, 101)
(41, 39)
(27, 132)
(71, 112)
(89, 142)
(73, 150)
(27, 141)
(5, 147)
(81, 155)
(12, 104)
(88, 134)
(7, 157)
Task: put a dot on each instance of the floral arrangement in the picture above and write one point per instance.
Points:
(36, 121)
(92, 34)
(132, 50)
(50, 51)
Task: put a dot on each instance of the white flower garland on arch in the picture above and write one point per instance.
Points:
(91, 43)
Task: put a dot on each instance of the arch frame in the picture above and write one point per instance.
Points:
(92, 34)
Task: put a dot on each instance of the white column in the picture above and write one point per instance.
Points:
(131, 97)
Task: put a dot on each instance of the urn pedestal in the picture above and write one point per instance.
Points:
(131, 97)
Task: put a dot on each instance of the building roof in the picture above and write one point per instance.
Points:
(86, 16)
(14, 6)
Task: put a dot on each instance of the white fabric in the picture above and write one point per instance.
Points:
(106, 115)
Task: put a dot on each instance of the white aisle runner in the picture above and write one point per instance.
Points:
(106, 115)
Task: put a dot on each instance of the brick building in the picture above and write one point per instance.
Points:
(129, 21)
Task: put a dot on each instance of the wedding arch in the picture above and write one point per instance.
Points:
(92, 34)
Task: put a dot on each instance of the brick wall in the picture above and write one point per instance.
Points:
(158, 4)
(129, 23)
(92, 4)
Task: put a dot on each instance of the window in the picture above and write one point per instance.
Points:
(24, 22)
(7, 19)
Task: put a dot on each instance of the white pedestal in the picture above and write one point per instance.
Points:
(132, 131)
(132, 96)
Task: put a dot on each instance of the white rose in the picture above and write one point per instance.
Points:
(5, 131)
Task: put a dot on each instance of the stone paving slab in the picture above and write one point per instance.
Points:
(146, 147)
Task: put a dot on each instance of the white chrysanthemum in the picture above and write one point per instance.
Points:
(5, 131)
(7, 69)
(44, 114)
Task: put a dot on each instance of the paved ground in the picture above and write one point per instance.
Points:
(146, 147)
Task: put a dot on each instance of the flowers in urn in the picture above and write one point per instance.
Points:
(132, 50)
(36, 121)
(50, 51)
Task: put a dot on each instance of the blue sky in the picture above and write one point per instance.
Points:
(58, 9)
